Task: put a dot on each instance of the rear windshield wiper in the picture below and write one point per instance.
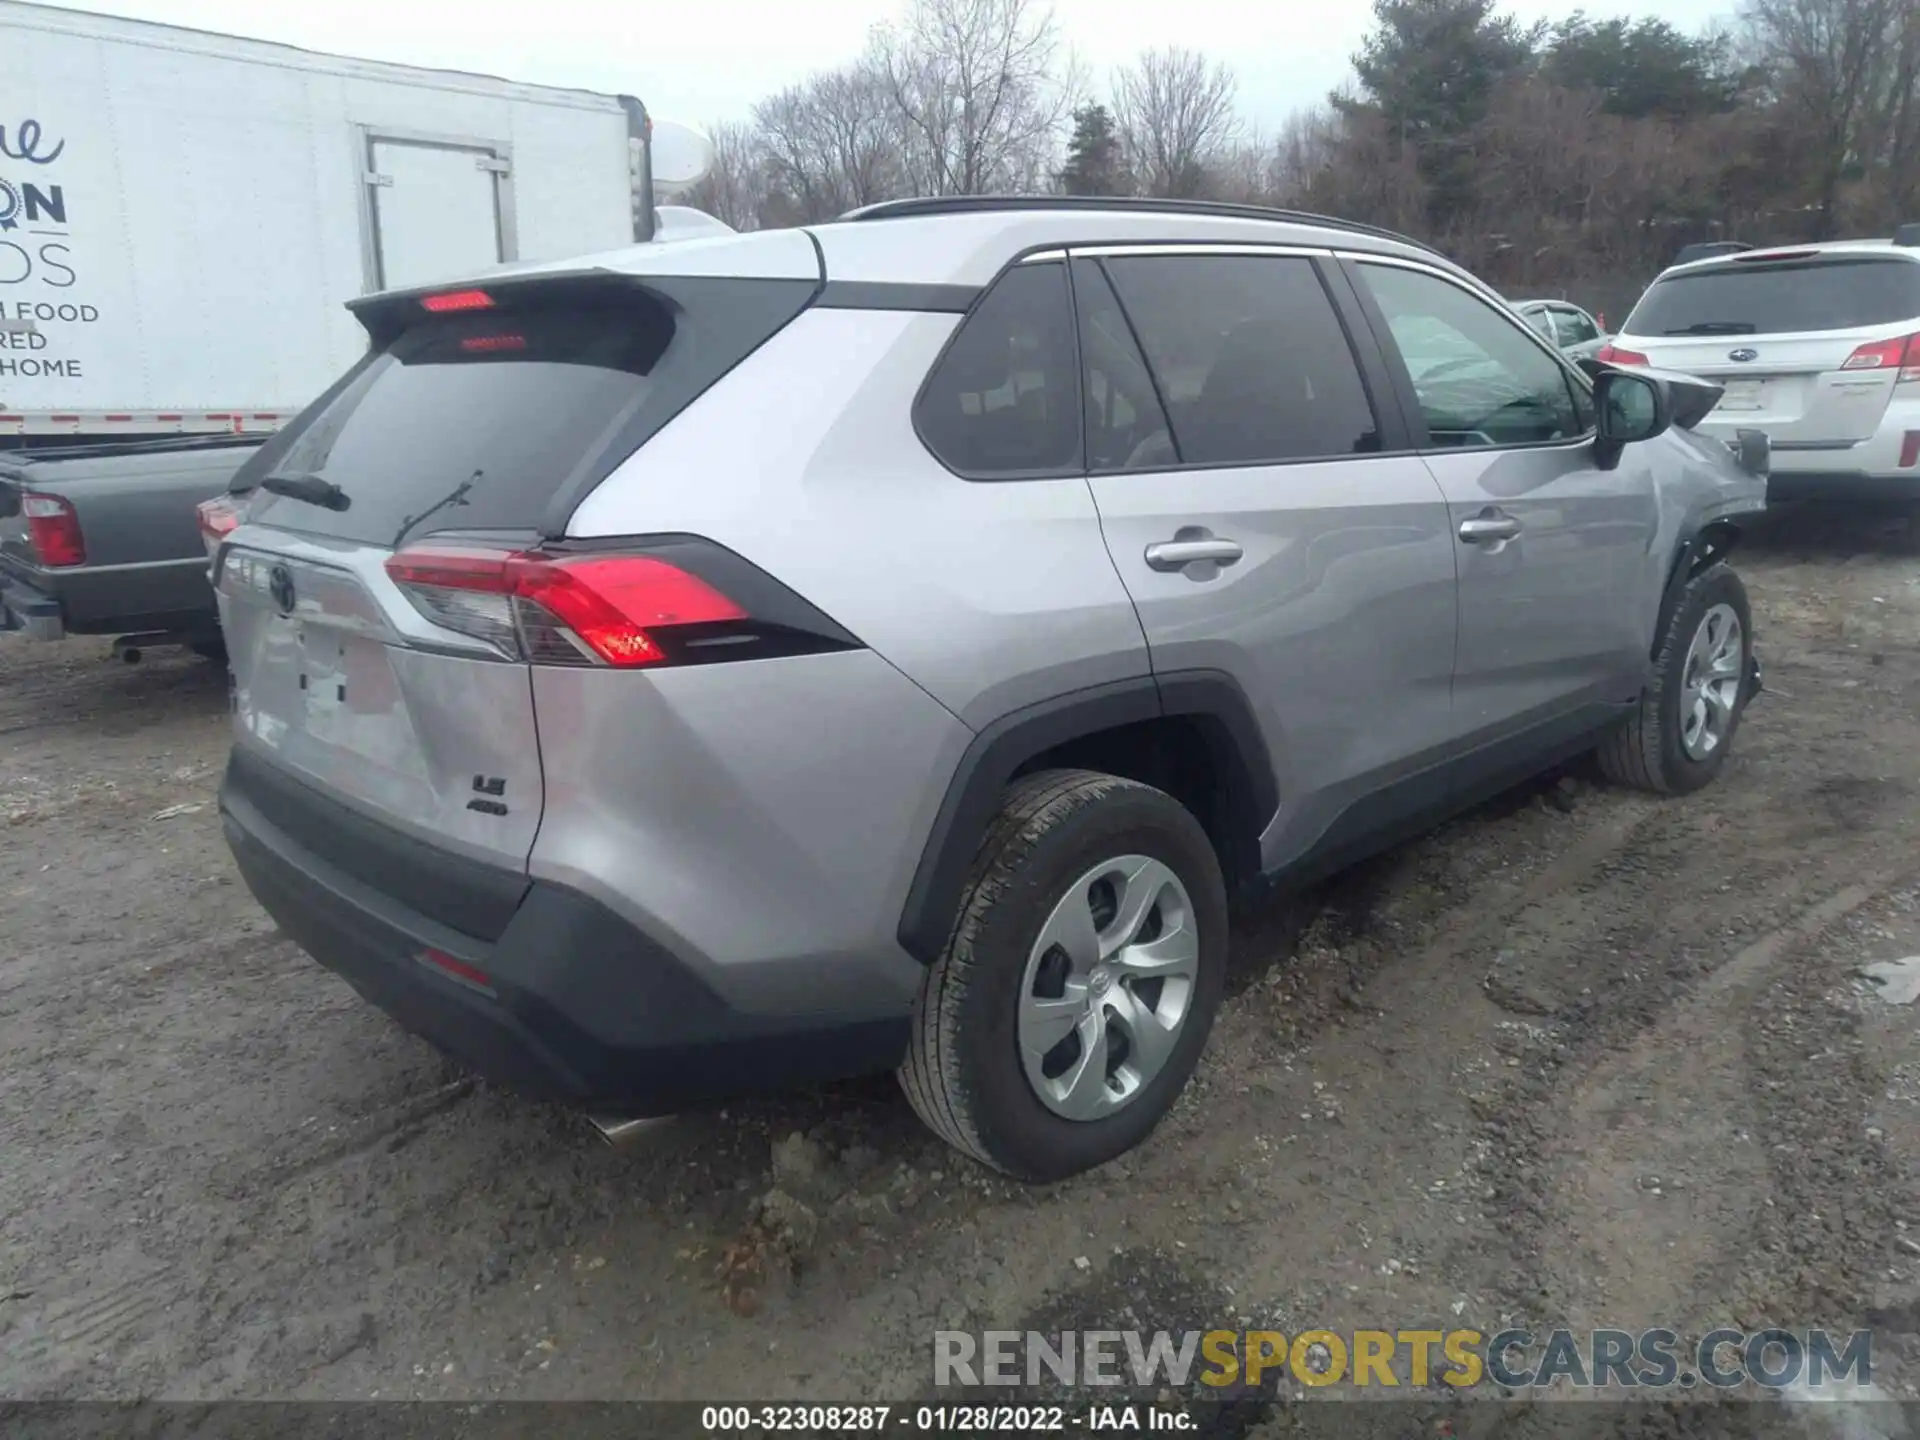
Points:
(314, 489)
(1714, 327)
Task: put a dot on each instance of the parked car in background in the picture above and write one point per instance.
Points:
(1577, 333)
(103, 540)
(1816, 345)
(741, 662)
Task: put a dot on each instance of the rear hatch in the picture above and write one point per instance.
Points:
(1809, 345)
(375, 595)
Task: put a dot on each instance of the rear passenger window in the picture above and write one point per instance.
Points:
(1003, 401)
(1126, 426)
(1250, 358)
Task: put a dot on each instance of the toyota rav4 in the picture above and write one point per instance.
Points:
(895, 644)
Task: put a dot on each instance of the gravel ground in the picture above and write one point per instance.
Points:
(1582, 1056)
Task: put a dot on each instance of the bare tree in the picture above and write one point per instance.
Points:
(735, 190)
(982, 90)
(1828, 62)
(1175, 110)
(832, 143)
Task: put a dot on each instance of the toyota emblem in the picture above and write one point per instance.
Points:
(280, 586)
(1743, 355)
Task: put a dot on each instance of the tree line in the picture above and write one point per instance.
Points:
(1542, 156)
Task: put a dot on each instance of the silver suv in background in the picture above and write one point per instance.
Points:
(1817, 346)
(893, 644)
(1578, 335)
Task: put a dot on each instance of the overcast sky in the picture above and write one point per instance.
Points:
(706, 60)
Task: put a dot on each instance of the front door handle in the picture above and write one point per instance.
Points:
(1178, 554)
(1488, 529)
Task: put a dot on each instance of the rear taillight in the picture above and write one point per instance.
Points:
(54, 530)
(1614, 355)
(1901, 353)
(624, 610)
(219, 518)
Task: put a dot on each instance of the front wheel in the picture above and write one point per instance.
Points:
(1072, 1002)
(1678, 737)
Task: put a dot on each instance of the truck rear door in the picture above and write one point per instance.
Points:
(435, 210)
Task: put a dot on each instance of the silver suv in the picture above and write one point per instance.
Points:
(893, 644)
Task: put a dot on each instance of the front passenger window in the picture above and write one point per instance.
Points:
(1481, 381)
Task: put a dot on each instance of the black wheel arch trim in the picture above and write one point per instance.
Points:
(997, 752)
(1699, 547)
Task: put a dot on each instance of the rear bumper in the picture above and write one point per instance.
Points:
(22, 607)
(172, 598)
(578, 1005)
(1858, 487)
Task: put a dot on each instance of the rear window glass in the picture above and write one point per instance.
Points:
(1756, 299)
(478, 421)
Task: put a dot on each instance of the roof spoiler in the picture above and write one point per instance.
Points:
(1709, 250)
(1907, 237)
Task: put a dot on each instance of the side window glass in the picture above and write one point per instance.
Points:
(1249, 357)
(1584, 412)
(1126, 426)
(1542, 320)
(1003, 401)
(1575, 328)
(1479, 379)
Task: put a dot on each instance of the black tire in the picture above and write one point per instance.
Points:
(963, 1072)
(214, 650)
(1646, 752)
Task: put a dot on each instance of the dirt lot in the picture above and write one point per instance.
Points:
(1583, 1056)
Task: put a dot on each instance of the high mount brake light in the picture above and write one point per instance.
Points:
(492, 344)
(54, 530)
(1614, 355)
(1901, 352)
(454, 300)
(591, 609)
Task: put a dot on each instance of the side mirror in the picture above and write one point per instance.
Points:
(1631, 408)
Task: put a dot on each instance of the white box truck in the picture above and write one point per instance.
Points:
(183, 215)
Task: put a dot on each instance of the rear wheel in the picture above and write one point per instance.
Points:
(214, 650)
(1678, 737)
(1074, 998)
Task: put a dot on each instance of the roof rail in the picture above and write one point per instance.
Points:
(1710, 250)
(978, 204)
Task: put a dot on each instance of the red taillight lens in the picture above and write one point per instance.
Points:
(1902, 352)
(453, 300)
(1614, 355)
(466, 974)
(54, 530)
(491, 344)
(560, 610)
(219, 518)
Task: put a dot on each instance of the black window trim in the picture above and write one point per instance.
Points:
(1396, 436)
(1351, 260)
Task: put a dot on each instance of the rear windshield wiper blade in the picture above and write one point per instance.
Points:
(314, 489)
(1714, 327)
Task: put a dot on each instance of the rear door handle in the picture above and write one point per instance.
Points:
(1178, 554)
(1486, 529)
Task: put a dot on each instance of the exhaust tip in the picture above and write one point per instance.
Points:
(619, 1132)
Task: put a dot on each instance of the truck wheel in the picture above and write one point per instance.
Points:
(1074, 998)
(1677, 739)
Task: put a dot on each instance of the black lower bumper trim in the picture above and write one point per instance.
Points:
(586, 1009)
(1854, 487)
